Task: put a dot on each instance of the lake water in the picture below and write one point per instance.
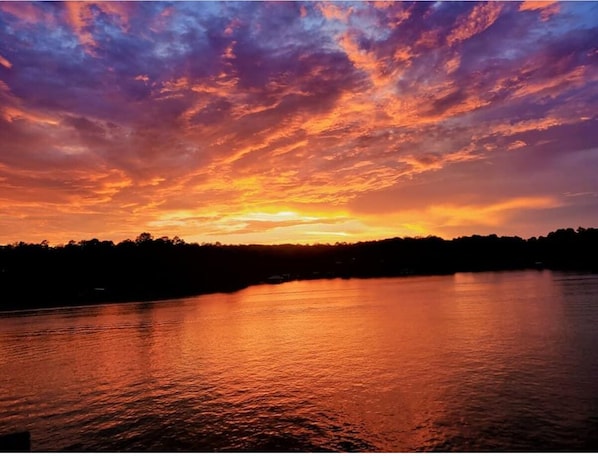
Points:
(473, 362)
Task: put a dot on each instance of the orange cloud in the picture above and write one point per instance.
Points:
(4, 62)
(576, 77)
(452, 64)
(428, 39)
(546, 8)
(119, 11)
(80, 16)
(332, 12)
(479, 19)
(433, 162)
(12, 109)
(381, 4)
(380, 73)
(404, 55)
(448, 220)
(531, 5)
(12, 114)
(396, 18)
(516, 145)
(232, 25)
(491, 215)
(526, 125)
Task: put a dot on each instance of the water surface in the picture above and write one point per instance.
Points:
(472, 362)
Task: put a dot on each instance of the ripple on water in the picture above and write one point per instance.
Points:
(471, 362)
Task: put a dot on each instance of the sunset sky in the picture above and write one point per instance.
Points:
(257, 122)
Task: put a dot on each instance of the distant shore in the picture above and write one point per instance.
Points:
(37, 276)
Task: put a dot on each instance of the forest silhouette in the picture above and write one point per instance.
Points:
(148, 268)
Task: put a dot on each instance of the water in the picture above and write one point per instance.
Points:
(473, 362)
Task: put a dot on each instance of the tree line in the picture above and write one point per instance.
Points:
(148, 268)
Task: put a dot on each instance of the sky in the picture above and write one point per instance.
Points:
(296, 122)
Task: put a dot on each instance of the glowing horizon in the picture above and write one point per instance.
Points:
(296, 122)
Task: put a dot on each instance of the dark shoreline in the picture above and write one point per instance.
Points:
(9, 311)
(147, 269)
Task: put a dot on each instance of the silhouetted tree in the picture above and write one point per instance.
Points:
(36, 275)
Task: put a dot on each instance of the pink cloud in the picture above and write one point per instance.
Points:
(333, 12)
(27, 12)
(4, 62)
(79, 15)
(481, 17)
